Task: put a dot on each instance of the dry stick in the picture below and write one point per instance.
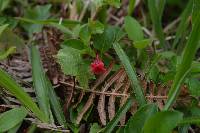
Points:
(47, 126)
(151, 91)
(108, 93)
(159, 93)
(9, 106)
(73, 12)
(111, 103)
(123, 100)
(92, 96)
(171, 25)
(101, 103)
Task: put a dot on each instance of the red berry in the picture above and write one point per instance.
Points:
(97, 66)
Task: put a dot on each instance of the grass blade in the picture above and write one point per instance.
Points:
(191, 120)
(156, 17)
(183, 24)
(186, 62)
(39, 81)
(52, 23)
(44, 89)
(131, 6)
(160, 4)
(65, 22)
(12, 118)
(136, 88)
(55, 105)
(10, 85)
(195, 10)
(111, 125)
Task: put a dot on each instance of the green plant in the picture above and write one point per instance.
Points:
(99, 66)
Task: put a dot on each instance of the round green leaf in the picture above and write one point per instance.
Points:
(163, 122)
(11, 118)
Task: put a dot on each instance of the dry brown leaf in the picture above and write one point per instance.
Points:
(101, 103)
(123, 100)
(111, 102)
(92, 96)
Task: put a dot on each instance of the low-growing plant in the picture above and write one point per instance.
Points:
(100, 66)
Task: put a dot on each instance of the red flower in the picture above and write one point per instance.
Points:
(97, 66)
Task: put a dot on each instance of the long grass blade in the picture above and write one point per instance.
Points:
(44, 87)
(131, 6)
(183, 24)
(136, 88)
(156, 17)
(55, 105)
(186, 62)
(39, 81)
(52, 23)
(10, 85)
(190, 120)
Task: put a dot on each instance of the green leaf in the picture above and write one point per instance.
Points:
(12, 22)
(100, 3)
(54, 23)
(73, 43)
(69, 59)
(184, 23)
(96, 27)
(16, 128)
(11, 86)
(104, 41)
(194, 87)
(133, 29)
(32, 128)
(37, 13)
(136, 88)
(195, 68)
(4, 4)
(135, 123)
(195, 10)
(131, 6)
(10, 39)
(11, 118)
(55, 105)
(163, 122)
(45, 88)
(186, 62)
(115, 3)
(39, 81)
(156, 9)
(85, 34)
(4, 55)
(72, 64)
(142, 43)
(2, 28)
(95, 128)
(153, 73)
(111, 125)
(65, 22)
(190, 120)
